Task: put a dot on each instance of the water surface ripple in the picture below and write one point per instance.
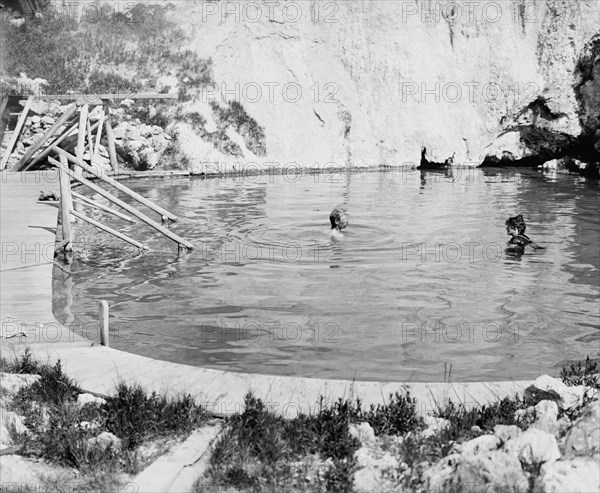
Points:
(419, 281)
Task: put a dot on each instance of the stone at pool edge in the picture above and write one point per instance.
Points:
(546, 387)
(11, 383)
(583, 437)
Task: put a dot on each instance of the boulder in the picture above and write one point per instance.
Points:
(480, 444)
(21, 474)
(375, 470)
(533, 447)
(581, 474)
(120, 130)
(546, 416)
(86, 399)
(363, 432)
(434, 425)
(40, 107)
(490, 471)
(146, 130)
(105, 441)
(506, 432)
(547, 388)
(149, 159)
(48, 120)
(583, 438)
(11, 383)
(10, 421)
(508, 146)
(553, 164)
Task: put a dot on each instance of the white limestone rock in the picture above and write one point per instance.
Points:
(87, 399)
(578, 475)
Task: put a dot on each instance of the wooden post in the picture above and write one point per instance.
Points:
(110, 137)
(80, 149)
(65, 207)
(103, 316)
(92, 203)
(112, 231)
(49, 133)
(134, 212)
(16, 133)
(118, 185)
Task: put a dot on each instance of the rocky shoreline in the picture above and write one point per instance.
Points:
(546, 441)
(181, 145)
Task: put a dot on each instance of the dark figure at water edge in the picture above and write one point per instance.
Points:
(515, 227)
(339, 220)
(47, 196)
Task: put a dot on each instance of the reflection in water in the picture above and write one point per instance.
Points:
(420, 279)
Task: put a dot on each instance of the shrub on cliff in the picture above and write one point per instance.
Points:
(113, 52)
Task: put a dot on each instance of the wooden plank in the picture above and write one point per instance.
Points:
(49, 133)
(112, 231)
(118, 185)
(80, 149)
(90, 140)
(16, 133)
(142, 217)
(110, 137)
(98, 135)
(48, 148)
(92, 203)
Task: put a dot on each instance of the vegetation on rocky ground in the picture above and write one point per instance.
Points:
(260, 450)
(101, 438)
(109, 52)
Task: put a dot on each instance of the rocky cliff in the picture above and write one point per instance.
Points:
(388, 82)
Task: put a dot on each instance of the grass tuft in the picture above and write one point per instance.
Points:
(587, 374)
(134, 416)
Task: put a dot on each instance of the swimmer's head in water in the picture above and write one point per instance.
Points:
(515, 225)
(338, 219)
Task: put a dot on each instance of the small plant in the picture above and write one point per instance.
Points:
(53, 387)
(134, 416)
(397, 417)
(156, 114)
(577, 374)
(24, 364)
(234, 115)
(469, 423)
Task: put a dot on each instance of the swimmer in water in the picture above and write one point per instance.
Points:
(338, 219)
(515, 227)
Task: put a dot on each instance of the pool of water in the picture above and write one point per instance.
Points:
(419, 288)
